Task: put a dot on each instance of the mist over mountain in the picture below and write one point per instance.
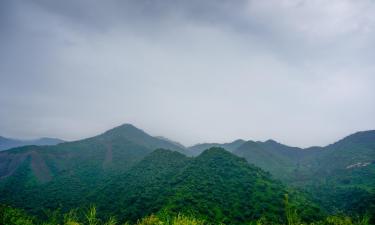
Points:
(245, 112)
(199, 148)
(7, 143)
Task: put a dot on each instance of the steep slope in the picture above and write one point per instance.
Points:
(342, 176)
(354, 151)
(8, 143)
(171, 141)
(280, 160)
(28, 174)
(222, 187)
(217, 186)
(142, 190)
(116, 171)
(199, 148)
(135, 135)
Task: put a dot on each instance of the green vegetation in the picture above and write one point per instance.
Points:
(216, 186)
(340, 177)
(33, 176)
(12, 216)
(199, 148)
(122, 174)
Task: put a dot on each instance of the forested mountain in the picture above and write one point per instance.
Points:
(280, 160)
(341, 176)
(34, 172)
(116, 148)
(130, 174)
(199, 148)
(216, 186)
(294, 164)
(8, 143)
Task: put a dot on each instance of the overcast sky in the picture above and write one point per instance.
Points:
(300, 72)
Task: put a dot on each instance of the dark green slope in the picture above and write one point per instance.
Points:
(343, 174)
(354, 151)
(121, 173)
(135, 135)
(36, 176)
(348, 162)
(231, 146)
(220, 186)
(142, 190)
(280, 160)
(117, 148)
(298, 165)
(216, 185)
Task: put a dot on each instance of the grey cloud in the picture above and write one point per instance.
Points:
(193, 71)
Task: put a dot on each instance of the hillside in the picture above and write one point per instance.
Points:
(279, 160)
(32, 173)
(216, 186)
(231, 146)
(122, 167)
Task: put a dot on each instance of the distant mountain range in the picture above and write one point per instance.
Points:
(199, 148)
(130, 173)
(8, 143)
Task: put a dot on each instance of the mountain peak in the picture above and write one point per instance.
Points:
(125, 126)
(364, 137)
(135, 135)
(215, 152)
(271, 141)
(126, 129)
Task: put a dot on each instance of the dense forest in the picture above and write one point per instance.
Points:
(132, 177)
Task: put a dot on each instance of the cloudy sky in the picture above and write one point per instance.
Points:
(298, 71)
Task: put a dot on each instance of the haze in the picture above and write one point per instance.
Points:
(300, 72)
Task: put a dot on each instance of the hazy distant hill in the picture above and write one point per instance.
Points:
(173, 142)
(8, 143)
(199, 148)
(354, 151)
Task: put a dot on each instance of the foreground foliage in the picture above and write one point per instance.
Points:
(12, 216)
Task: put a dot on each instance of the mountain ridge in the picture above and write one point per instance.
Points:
(9, 143)
(31, 176)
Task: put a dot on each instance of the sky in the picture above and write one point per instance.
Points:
(301, 72)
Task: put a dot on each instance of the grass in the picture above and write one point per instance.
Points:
(11, 216)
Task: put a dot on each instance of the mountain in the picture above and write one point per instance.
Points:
(217, 186)
(142, 190)
(117, 147)
(340, 176)
(354, 151)
(199, 148)
(171, 141)
(126, 172)
(135, 135)
(280, 160)
(77, 166)
(8, 143)
(297, 164)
